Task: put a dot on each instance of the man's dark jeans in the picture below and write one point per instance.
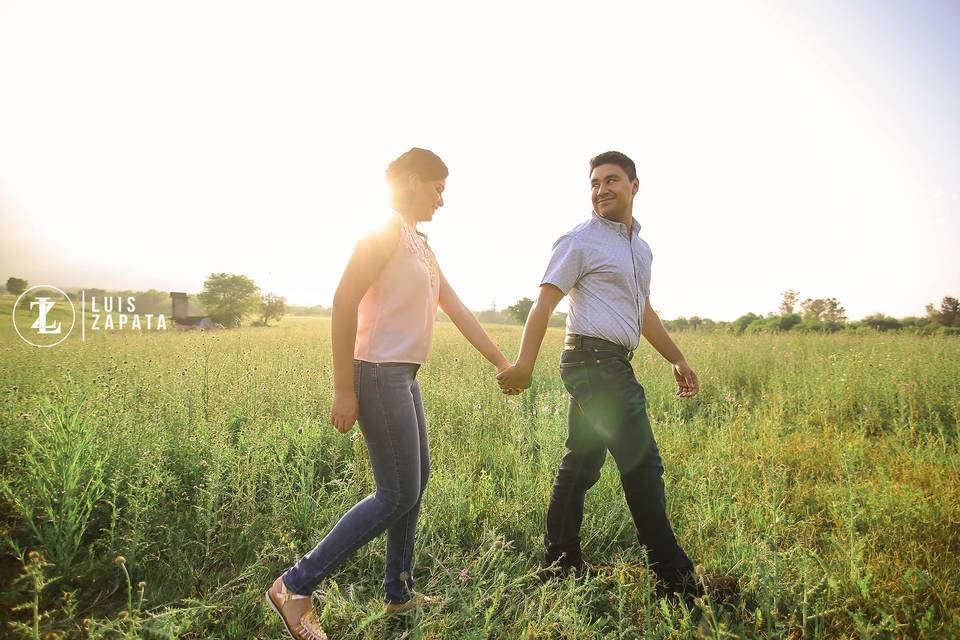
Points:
(608, 411)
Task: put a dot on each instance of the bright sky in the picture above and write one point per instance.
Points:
(813, 146)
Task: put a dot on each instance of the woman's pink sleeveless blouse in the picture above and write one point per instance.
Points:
(395, 317)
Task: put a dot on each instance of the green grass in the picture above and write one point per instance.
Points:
(822, 470)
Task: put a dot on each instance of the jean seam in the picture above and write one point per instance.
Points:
(406, 530)
(406, 524)
(564, 513)
(393, 446)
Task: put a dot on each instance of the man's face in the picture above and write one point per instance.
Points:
(611, 191)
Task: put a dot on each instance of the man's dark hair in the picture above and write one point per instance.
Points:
(617, 158)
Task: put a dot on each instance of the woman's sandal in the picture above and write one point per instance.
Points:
(417, 601)
(309, 628)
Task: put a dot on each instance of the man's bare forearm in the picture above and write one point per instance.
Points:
(656, 334)
(533, 332)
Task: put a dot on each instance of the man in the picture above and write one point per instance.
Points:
(604, 266)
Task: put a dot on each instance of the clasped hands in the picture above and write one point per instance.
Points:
(514, 378)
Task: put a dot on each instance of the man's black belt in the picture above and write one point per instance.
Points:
(573, 341)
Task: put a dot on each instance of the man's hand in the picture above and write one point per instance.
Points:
(515, 377)
(509, 391)
(343, 415)
(687, 383)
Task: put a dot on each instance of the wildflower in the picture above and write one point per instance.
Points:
(464, 575)
(300, 429)
(124, 614)
(141, 585)
(35, 557)
(87, 623)
(119, 561)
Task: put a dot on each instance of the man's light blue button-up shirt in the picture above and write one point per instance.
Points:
(606, 273)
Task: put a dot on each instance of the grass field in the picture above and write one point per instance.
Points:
(822, 470)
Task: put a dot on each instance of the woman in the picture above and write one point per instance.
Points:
(382, 329)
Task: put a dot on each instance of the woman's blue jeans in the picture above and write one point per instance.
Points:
(395, 430)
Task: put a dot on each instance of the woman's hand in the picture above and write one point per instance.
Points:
(343, 415)
(505, 365)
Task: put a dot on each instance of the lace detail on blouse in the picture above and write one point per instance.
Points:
(418, 247)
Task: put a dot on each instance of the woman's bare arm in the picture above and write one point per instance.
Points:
(368, 259)
(469, 326)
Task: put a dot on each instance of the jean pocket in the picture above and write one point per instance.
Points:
(573, 359)
(575, 377)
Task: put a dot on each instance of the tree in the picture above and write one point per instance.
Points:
(521, 309)
(812, 308)
(228, 298)
(948, 314)
(834, 312)
(272, 306)
(827, 310)
(558, 319)
(788, 302)
(16, 286)
(880, 322)
(740, 324)
(774, 324)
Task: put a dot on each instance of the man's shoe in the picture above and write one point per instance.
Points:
(699, 583)
(724, 588)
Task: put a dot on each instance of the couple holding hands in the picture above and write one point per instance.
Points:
(382, 329)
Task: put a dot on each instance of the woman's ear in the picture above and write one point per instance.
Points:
(414, 182)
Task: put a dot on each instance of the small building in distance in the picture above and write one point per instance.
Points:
(182, 319)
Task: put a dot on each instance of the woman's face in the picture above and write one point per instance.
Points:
(426, 196)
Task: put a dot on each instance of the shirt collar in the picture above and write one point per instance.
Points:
(619, 227)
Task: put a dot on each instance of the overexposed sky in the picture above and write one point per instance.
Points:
(812, 146)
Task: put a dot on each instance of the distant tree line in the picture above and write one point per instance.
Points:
(827, 315)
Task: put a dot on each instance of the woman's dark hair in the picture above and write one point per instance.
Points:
(617, 158)
(422, 162)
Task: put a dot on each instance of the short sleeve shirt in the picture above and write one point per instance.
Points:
(606, 273)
